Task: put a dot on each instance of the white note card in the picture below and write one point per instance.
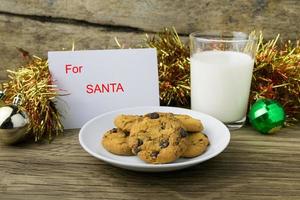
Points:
(98, 81)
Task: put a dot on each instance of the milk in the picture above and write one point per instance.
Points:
(220, 83)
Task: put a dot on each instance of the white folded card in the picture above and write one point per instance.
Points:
(99, 81)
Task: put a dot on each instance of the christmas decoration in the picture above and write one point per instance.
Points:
(266, 116)
(276, 75)
(13, 123)
(34, 85)
(174, 67)
(276, 72)
(1, 99)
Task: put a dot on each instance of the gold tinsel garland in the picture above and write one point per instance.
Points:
(276, 75)
(173, 67)
(33, 83)
(276, 72)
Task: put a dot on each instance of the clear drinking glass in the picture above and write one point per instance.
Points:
(221, 73)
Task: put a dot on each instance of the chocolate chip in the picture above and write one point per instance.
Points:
(154, 154)
(183, 133)
(164, 143)
(140, 142)
(114, 130)
(153, 115)
(126, 133)
(136, 149)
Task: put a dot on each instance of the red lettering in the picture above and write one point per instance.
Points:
(105, 87)
(89, 89)
(120, 87)
(97, 88)
(113, 86)
(68, 68)
(74, 69)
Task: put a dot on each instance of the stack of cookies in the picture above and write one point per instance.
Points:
(156, 137)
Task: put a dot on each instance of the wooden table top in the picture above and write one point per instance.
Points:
(253, 166)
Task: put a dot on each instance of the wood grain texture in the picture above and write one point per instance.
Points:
(40, 37)
(279, 16)
(254, 166)
(40, 26)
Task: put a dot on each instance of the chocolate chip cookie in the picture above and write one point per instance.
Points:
(116, 142)
(197, 144)
(125, 122)
(158, 138)
(189, 123)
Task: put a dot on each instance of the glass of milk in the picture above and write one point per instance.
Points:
(221, 73)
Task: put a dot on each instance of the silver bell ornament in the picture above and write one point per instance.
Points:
(1, 99)
(13, 123)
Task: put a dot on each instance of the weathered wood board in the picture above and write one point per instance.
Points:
(279, 16)
(39, 26)
(254, 166)
(39, 38)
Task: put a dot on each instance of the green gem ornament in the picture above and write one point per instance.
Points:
(267, 116)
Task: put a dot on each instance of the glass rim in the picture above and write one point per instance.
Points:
(221, 36)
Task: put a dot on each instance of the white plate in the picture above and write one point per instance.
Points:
(91, 133)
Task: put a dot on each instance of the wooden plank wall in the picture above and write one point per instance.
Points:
(42, 25)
